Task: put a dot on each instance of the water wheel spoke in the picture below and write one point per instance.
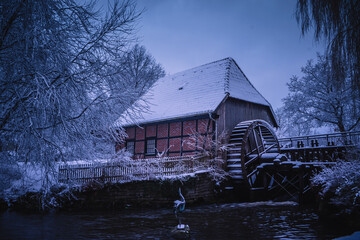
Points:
(252, 160)
(257, 157)
(252, 173)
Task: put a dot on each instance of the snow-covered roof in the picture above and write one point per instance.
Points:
(196, 91)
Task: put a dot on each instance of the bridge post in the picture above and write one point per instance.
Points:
(265, 184)
(301, 184)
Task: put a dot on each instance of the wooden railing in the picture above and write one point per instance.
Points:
(322, 140)
(139, 169)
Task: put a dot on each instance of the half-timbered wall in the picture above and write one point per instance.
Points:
(170, 138)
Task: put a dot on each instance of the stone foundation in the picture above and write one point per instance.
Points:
(151, 193)
(199, 188)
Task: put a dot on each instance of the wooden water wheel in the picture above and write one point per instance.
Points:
(251, 143)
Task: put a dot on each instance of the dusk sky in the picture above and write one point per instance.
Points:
(262, 36)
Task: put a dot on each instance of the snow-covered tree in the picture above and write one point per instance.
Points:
(317, 96)
(140, 69)
(60, 82)
(292, 125)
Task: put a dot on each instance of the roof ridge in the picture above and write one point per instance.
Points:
(227, 75)
(190, 69)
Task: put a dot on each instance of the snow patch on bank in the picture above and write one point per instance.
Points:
(264, 204)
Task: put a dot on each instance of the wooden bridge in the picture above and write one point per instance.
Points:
(261, 162)
(323, 147)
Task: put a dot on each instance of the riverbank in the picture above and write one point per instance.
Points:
(197, 188)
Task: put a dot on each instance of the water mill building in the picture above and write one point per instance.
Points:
(187, 110)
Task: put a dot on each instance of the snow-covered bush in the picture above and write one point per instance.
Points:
(212, 148)
(340, 184)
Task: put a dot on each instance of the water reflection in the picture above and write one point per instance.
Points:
(227, 221)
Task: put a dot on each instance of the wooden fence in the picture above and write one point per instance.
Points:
(139, 169)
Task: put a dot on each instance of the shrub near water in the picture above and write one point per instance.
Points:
(340, 184)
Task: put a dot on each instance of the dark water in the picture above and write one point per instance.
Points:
(227, 221)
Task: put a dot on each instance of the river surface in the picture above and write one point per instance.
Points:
(262, 220)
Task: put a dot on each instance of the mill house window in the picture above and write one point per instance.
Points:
(150, 147)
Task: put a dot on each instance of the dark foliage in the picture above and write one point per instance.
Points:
(338, 21)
